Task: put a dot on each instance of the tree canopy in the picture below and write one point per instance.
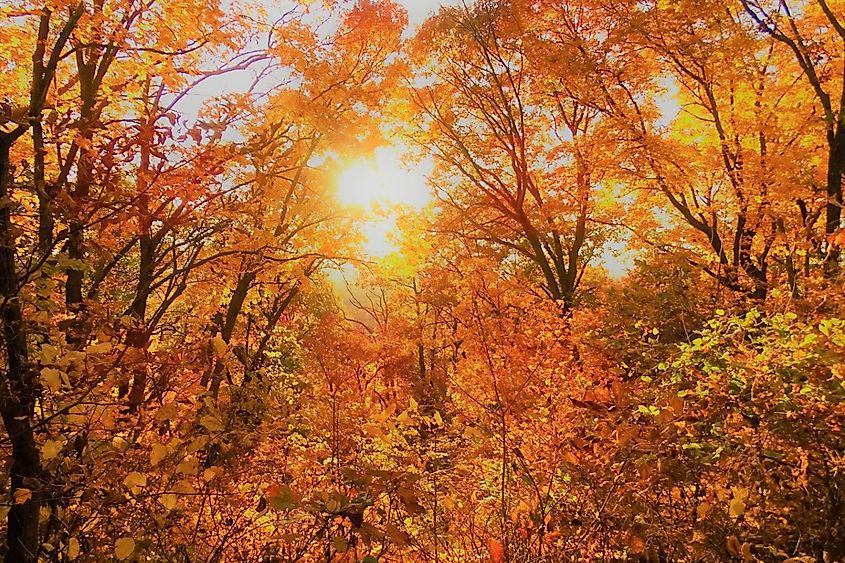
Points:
(527, 281)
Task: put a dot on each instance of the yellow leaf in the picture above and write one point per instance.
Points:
(135, 480)
(158, 453)
(50, 449)
(218, 345)
(52, 378)
(123, 548)
(48, 354)
(404, 418)
(339, 544)
(120, 444)
(740, 492)
(189, 466)
(72, 548)
(474, 433)
(210, 474)
(386, 413)
(197, 444)
(184, 487)
(22, 495)
(170, 410)
(438, 419)
(373, 430)
(99, 348)
(73, 356)
(737, 507)
(212, 423)
(169, 501)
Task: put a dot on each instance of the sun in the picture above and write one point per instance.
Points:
(360, 184)
(380, 189)
(384, 180)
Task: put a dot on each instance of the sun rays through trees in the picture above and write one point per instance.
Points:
(362, 281)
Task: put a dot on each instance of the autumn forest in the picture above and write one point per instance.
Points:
(382, 281)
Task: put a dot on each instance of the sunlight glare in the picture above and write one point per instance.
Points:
(385, 180)
(380, 237)
(617, 260)
(380, 188)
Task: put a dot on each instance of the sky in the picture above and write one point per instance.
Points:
(418, 10)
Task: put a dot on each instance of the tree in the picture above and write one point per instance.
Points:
(18, 378)
(524, 182)
(727, 169)
(818, 52)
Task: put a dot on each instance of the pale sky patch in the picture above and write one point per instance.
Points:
(419, 10)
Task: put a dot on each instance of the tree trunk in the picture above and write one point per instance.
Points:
(833, 208)
(88, 115)
(76, 230)
(236, 303)
(17, 388)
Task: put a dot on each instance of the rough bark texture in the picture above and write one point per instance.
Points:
(17, 387)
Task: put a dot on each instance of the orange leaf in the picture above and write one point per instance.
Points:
(497, 551)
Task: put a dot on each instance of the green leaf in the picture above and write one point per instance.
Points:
(650, 410)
